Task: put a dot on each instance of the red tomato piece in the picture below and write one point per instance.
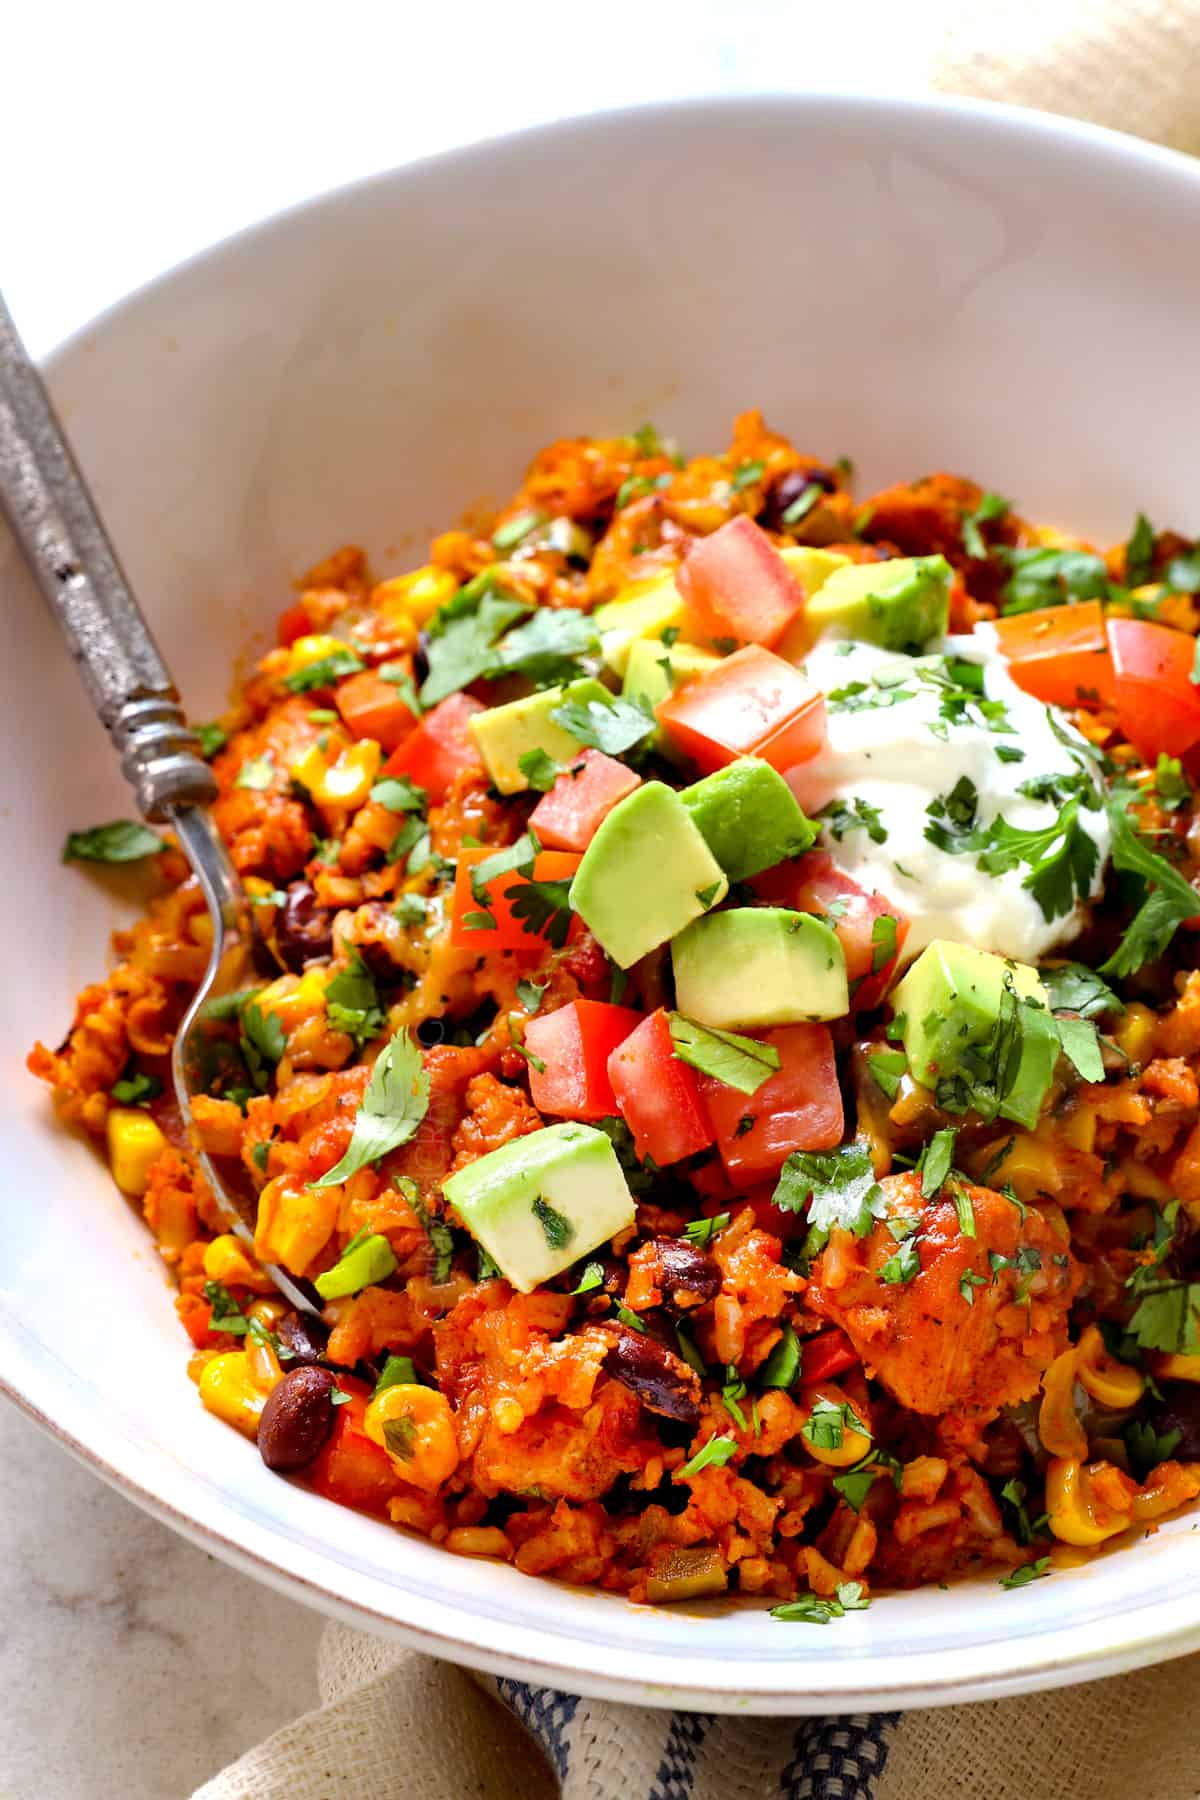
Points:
(1060, 654)
(352, 1469)
(568, 817)
(736, 585)
(828, 1354)
(658, 1095)
(1158, 703)
(811, 883)
(799, 1107)
(440, 746)
(508, 933)
(294, 623)
(575, 1043)
(753, 704)
(373, 708)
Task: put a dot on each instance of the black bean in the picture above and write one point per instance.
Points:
(421, 658)
(304, 1336)
(662, 1381)
(303, 930)
(684, 1265)
(296, 1420)
(788, 489)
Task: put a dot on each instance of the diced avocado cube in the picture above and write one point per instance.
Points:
(644, 611)
(654, 671)
(542, 1201)
(899, 605)
(645, 875)
(749, 817)
(812, 569)
(759, 965)
(950, 1004)
(504, 734)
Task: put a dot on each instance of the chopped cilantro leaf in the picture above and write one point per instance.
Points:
(703, 1231)
(1170, 899)
(883, 942)
(903, 1266)
(802, 505)
(540, 770)
(991, 506)
(325, 672)
(712, 1455)
(462, 634)
(738, 1062)
(212, 737)
(783, 1366)
(888, 1069)
(591, 1279)
(1030, 1571)
(746, 474)
(393, 1106)
(860, 815)
(839, 1187)
(558, 1230)
(937, 1159)
(352, 1002)
(122, 841)
(1139, 552)
(613, 726)
(1076, 989)
(850, 1596)
(511, 533)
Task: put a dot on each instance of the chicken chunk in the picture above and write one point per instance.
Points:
(964, 1312)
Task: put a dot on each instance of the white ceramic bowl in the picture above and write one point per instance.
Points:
(921, 285)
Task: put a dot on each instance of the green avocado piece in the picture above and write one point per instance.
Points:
(643, 613)
(749, 817)
(504, 734)
(899, 605)
(542, 1201)
(950, 1005)
(654, 671)
(645, 875)
(759, 965)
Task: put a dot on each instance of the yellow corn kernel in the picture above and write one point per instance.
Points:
(1077, 1127)
(1113, 1383)
(1051, 538)
(1134, 1033)
(416, 596)
(1169, 1367)
(267, 1312)
(1077, 1514)
(295, 998)
(1029, 1165)
(345, 782)
(225, 1260)
(227, 1389)
(1140, 1179)
(854, 1444)
(134, 1144)
(415, 1425)
(313, 647)
(1058, 1422)
(294, 1223)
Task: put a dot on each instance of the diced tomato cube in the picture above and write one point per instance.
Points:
(574, 1043)
(811, 883)
(1158, 703)
(439, 748)
(373, 708)
(468, 927)
(351, 1468)
(1060, 654)
(659, 1096)
(294, 622)
(799, 1107)
(736, 585)
(752, 704)
(828, 1354)
(568, 817)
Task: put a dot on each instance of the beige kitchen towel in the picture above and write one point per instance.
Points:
(394, 1725)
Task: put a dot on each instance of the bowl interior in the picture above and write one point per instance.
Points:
(918, 286)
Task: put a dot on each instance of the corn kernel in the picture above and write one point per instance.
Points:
(1169, 1367)
(1029, 1165)
(1113, 1383)
(345, 782)
(294, 998)
(415, 1425)
(225, 1260)
(312, 648)
(226, 1389)
(1134, 1034)
(1077, 1513)
(416, 596)
(294, 1223)
(134, 1144)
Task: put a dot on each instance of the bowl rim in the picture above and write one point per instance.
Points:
(1158, 1629)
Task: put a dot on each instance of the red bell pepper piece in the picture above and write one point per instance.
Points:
(1060, 654)
(468, 929)
(439, 748)
(811, 883)
(373, 708)
(351, 1468)
(294, 622)
(828, 1354)
(659, 1096)
(736, 585)
(753, 704)
(568, 817)
(799, 1107)
(574, 1043)
(1158, 703)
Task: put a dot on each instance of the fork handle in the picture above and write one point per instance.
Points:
(47, 504)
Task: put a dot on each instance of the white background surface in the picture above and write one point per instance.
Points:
(131, 1664)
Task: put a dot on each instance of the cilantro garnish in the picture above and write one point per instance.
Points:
(441, 1238)
(803, 504)
(827, 1424)
(325, 672)
(746, 474)
(546, 649)
(951, 817)
(121, 841)
(530, 993)
(136, 1088)
(888, 1069)
(783, 1365)
(883, 942)
(399, 794)
(462, 634)
(903, 1266)
(257, 772)
(262, 1043)
(511, 533)
(936, 1161)
(1030, 1571)
(557, 1228)
(736, 1061)
(991, 506)
(860, 815)
(712, 1455)
(1139, 552)
(839, 1187)
(1148, 1447)
(613, 726)
(352, 1002)
(393, 1106)
(397, 1371)
(213, 737)
(703, 1231)
(1075, 988)
(968, 1281)
(809, 1610)
(591, 1279)
(1169, 901)
(540, 770)
(1048, 577)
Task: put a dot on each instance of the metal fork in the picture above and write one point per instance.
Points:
(54, 520)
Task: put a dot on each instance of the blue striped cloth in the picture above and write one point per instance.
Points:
(598, 1749)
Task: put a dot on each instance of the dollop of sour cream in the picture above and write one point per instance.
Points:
(899, 743)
